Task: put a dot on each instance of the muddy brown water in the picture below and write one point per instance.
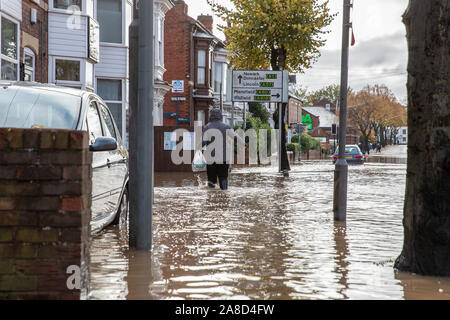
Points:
(267, 237)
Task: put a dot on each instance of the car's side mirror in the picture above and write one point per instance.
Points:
(103, 144)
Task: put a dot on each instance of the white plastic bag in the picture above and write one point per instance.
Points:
(199, 162)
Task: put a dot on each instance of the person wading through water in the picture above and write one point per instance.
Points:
(218, 166)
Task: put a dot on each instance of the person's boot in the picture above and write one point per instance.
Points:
(211, 185)
(223, 184)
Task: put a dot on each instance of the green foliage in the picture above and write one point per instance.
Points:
(258, 110)
(254, 123)
(306, 142)
(330, 93)
(294, 138)
(274, 33)
(258, 126)
(315, 144)
(292, 147)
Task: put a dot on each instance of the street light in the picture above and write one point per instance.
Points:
(141, 127)
(341, 170)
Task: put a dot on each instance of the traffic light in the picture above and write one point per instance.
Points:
(334, 129)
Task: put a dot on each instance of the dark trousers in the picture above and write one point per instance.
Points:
(217, 171)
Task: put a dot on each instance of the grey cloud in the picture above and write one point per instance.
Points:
(378, 60)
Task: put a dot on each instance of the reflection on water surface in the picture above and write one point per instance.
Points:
(267, 237)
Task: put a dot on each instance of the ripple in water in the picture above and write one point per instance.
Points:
(267, 238)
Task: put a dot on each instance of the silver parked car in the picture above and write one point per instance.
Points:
(352, 155)
(33, 105)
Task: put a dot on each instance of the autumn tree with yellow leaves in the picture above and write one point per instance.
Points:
(375, 110)
(276, 34)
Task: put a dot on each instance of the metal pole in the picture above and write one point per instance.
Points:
(245, 115)
(133, 109)
(232, 115)
(341, 170)
(145, 128)
(221, 97)
(280, 132)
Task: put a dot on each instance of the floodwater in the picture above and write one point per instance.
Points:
(267, 237)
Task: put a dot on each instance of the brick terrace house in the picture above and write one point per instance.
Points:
(190, 53)
(323, 114)
(23, 32)
(294, 113)
(81, 44)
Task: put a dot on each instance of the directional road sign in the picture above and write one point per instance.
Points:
(258, 79)
(257, 95)
(259, 86)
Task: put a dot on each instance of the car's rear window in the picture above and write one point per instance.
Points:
(351, 150)
(26, 107)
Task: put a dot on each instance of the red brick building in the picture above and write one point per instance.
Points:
(294, 111)
(34, 41)
(189, 60)
(24, 54)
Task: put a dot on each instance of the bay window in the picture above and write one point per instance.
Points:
(111, 92)
(67, 4)
(201, 67)
(9, 61)
(220, 72)
(109, 16)
(67, 70)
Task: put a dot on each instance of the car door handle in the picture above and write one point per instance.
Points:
(108, 163)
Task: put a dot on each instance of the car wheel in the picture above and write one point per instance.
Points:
(122, 212)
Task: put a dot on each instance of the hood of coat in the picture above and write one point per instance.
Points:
(215, 115)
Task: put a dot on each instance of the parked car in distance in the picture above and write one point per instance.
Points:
(352, 155)
(33, 105)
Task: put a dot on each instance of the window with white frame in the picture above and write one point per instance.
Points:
(201, 66)
(68, 4)
(29, 63)
(9, 62)
(110, 91)
(109, 16)
(67, 70)
(220, 72)
(161, 40)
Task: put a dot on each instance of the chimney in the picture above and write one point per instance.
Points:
(207, 21)
(182, 6)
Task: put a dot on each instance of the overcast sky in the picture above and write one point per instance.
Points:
(379, 56)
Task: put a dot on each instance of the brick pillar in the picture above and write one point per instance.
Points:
(45, 201)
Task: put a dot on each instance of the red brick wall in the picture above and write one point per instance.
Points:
(295, 111)
(45, 200)
(39, 31)
(177, 59)
(314, 119)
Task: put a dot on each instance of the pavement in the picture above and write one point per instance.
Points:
(398, 151)
(393, 154)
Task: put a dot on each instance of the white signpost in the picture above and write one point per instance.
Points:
(258, 86)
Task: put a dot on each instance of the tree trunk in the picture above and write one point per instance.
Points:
(426, 222)
(284, 157)
(278, 62)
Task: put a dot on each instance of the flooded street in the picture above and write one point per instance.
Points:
(267, 237)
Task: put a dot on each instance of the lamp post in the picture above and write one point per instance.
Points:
(341, 169)
(141, 126)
